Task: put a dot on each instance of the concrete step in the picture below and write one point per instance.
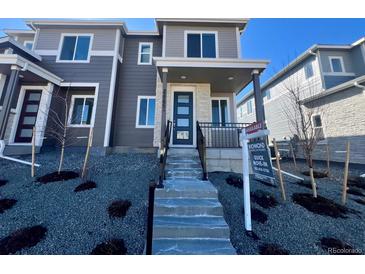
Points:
(188, 207)
(182, 158)
(182, 174)
(182, 151)
(186, 189)
(190, 227)
(192, 247)
(179, 165)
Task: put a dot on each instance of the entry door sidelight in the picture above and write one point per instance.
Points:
(183, 118)
(28, 116)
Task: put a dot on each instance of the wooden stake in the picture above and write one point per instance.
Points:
(328, 159)
(277, 156)
(313, 182)
(33, 153)
(89, 144)
(346, 173)
(293, 155)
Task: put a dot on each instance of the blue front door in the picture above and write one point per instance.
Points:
(183, 118)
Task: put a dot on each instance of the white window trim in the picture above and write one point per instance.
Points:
(140, 53)
(219, 107)
(324, 141)
(29, 41)
(305, 70)
(342, 64)
(139, 98)
(186, 32)
(73, 97)
(63, 35)
(251, 102)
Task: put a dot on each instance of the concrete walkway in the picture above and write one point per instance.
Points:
(188, 217)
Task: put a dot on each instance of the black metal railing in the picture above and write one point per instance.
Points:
(151, 202)
(201, 146)
(163, 152)
(222, 135)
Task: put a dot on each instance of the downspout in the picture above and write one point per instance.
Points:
(319, 66)
(112, 90)
(356, 84)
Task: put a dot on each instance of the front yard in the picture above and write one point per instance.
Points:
(76, 222)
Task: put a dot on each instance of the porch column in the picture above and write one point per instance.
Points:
(8, 98)
(164, 95)
(259, 103)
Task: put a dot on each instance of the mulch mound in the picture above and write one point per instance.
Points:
(112, 247)
(85, 186)
(316, 174)
(235, 181)
(56, 177)
(355, 191)
(321, 205)
(360, 201)
(6, 204)
(356, 181)
(272, 249)
(119, 208)
(257, 215)
(306, 184)
(22, 238)
(3, 182)
(335, 246)
(263, 199)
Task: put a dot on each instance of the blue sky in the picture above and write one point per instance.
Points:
(278, 40)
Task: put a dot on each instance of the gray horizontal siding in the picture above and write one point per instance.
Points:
(49, 39)
(227, 40)
(133, 80)
(332, 81)
(325, 54)
(97, 71)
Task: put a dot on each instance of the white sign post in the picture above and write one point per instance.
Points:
(244, 138)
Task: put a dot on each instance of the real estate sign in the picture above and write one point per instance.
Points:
(260, 159)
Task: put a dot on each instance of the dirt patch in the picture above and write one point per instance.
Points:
(235, 181)
(6, 204)
(272, 249)
(321, 205)
(334, 246)
(112, 247)
(316, 174)
(56, 177)
(3, 182)
(22, 238)
(355, 191)
(119, 208)
(306, 184)
(85, 186)
(263, 199)
(360, 201)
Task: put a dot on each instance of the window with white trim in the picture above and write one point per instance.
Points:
(267, 94)
(318, 127)
(201, 44)
(249, 106)
(145, 51)
(220, 111)
(308, 70)
(336, 63)
(81, 111)
(146, 112)
(28, 44)
(75, 48)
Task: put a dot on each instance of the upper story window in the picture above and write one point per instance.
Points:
(308, 70)
(249, 106)
(146, 112)
(75, 48)
(267, 94)
(145, 53)
(28, 44)
(220, 113)
(336, 63)
(201, 44)
(81, 111)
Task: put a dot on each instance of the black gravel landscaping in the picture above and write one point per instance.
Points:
(72, 213)
(299, 225)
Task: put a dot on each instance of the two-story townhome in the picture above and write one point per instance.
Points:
(126, 85)
(332, 82)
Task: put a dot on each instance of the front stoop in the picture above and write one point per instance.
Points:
(188, 217)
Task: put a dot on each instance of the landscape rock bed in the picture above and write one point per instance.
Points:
(289, 225)
(112, 247)
(77, 223)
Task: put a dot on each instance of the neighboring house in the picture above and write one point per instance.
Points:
(332, 78)
(125, 84)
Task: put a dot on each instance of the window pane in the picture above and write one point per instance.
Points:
(145, 58)
(182, 135)
(82, 48)
(29, 120)
(31, 108)
(68, 47)
(336, 65)
(29, 45)
(193, 45)
(77, 111)
(209, 45)
(308, 70)
(145, 48)
(183, 110)
(183, 99)
(34, 97)
(182, 122)
(26, 133)
(215, 111)
(151, 112)
(88, 110)
(249, 107)
(317, 121)
(142, 112)
(224, 111)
